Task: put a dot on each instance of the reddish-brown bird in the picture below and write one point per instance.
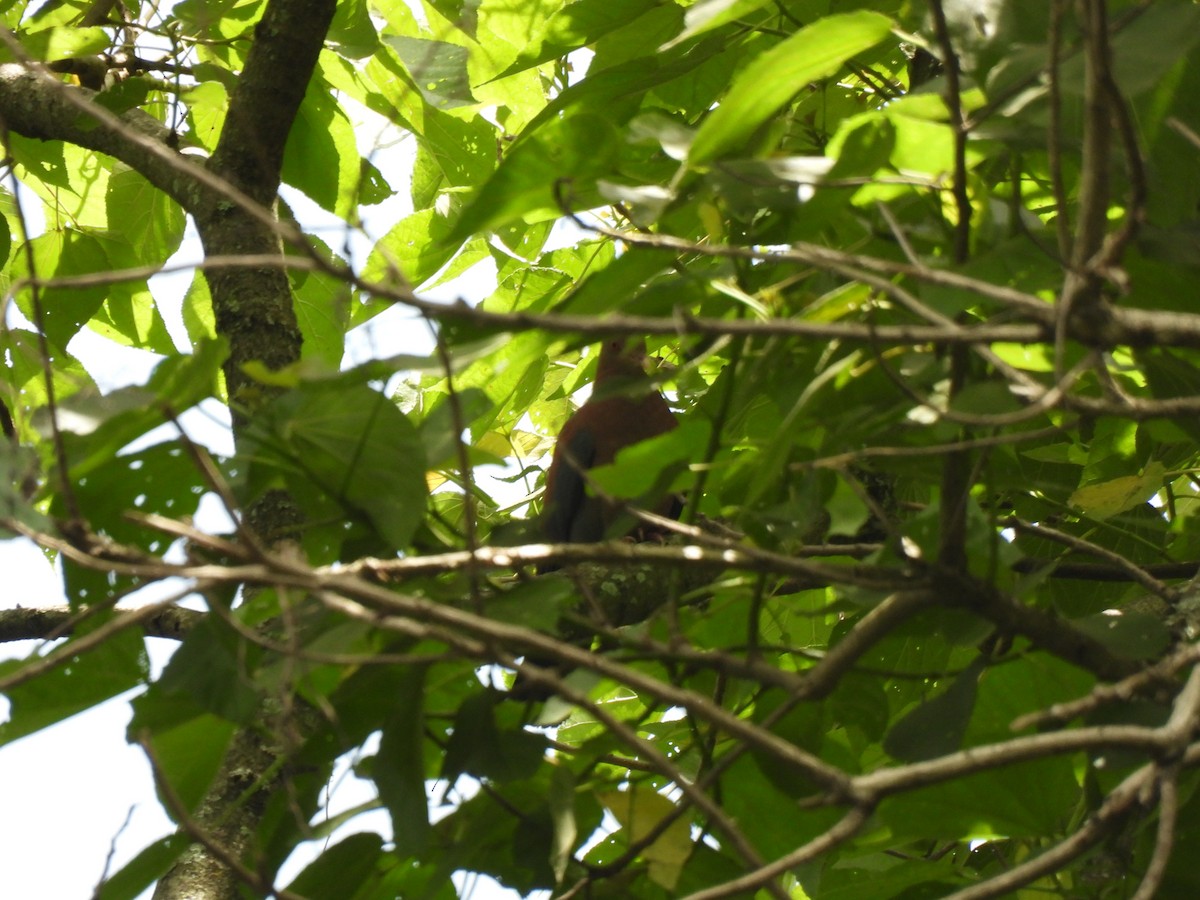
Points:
(611, 420)
(616, 416)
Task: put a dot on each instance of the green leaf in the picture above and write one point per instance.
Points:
(1128, 634)
(437, 68)
(1108, 498)
(1146, 48)
(995, 803)
(162, 479)
(352, 31)
(399, 767)
(879, 877)
(95, 428)
(607, 289)
(144, 217)
(213, 670)
(198, 315)
(774, 77)
(563, 155)
(66, 42)
(937, 725)
(1007, 691)
(708, 15)
(129, 317)
(561, 802)
(5, 235)
(321, 157)
(81, 682)
(1170, 374)
(642, 468)
(617, 89)
(416, 246)
(576, 25)
(190, 754)
(759, 807)
(478, 747)
(438, 432)
(373, 186)
(323, 303)
(342, 870)
(803, 725)
(457, 151)
(144, 869)
(19, 470)
(64, 310)
(639, 811)
(348, 443)
(538, 604)
(207, 104)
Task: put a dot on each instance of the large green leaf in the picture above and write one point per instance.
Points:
(772, 79)
(439, 69)
(188, 755)
(352, 30)
(478, 747)
(79, 682)
(143, 216)
(576, 25)
(61, 311)
(161, 480)
(996, 803)
(937, 725)
(211, 672)
(342, 870)
(323, 303)
(144, 869)
(414, 247)
(322, 157)
(350, 444)
(543, 174)
(96, 427)
(399, 767)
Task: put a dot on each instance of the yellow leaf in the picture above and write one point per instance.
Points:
(639, 811)
(1107, 498)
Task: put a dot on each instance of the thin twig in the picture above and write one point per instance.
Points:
(1062, 214)
(841, 831)
(1115, 807)
(958, 124)
(1082, 545)
(458, 419)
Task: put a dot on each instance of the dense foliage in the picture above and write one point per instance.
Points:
(921, 277)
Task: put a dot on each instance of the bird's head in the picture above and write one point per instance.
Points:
(621, 358)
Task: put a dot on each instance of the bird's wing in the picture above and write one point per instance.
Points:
(566, 493)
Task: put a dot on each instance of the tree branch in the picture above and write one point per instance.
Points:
(46, 622)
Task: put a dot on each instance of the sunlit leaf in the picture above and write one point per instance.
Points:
(541, 173)
(639, 811)
(1106, 499)
(776, 76)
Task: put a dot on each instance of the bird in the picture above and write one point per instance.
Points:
(622, 411)
(611, 420)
